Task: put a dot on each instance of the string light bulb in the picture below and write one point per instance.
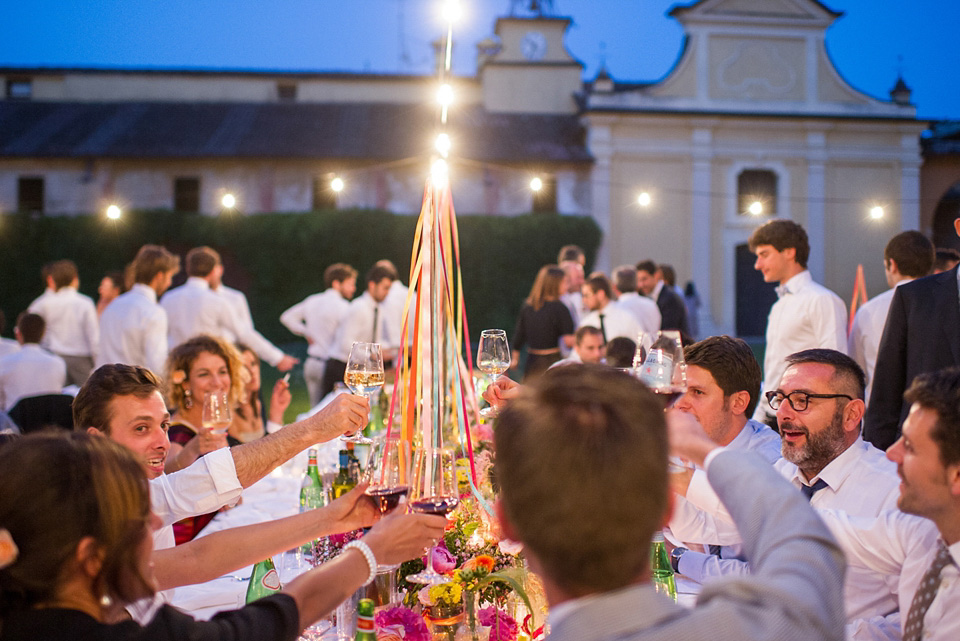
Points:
(536, 184)
(114, 212)
(439, 172)
(451, 10)
(443, 144)
(336, 184)
(755, 208)
(876, 212)
(229, 201)
(643, 199)
(445, 95)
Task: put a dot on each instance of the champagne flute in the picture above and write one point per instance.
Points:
(364, 376)
(665, 371)
(216, 415)
(434, 492)
(493, 359)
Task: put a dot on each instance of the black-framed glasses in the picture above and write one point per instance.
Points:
(798, 400)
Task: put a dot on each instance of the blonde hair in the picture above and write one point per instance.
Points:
(546, 287)
(181, 359)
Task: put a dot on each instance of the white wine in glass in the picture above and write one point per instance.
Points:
(217, 415)
(364, 377)
(493, 359)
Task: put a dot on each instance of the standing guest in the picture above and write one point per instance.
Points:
(111, 286)
(7, 345)
(643, 309)
(544, 321)
(572, 297)
(592, 558)
(806, 314)
(364, 321)
(72, 333)
(692, 300)
(588, 347)
(393, 306)
(316, 318)
(195, 308)
(604, 314)
(32, 370)
(945, 260)
(908, 255)
(673, 312)
(922, 334)
(248, 417)
(572, 253)
(133, 329)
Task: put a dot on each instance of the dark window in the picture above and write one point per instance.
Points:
(286, 91)
(757, 185)
(30, 195)
(19, 89)
(545, 200)
(186, 195)
(324, 197)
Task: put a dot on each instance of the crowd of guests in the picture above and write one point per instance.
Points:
(784, 509)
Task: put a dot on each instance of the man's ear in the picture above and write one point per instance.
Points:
(93, 430)
(739, 402)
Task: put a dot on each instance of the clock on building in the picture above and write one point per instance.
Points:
(533, 45)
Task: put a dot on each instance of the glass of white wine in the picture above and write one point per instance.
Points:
(217, 415)
(493, 359)
(364, 377)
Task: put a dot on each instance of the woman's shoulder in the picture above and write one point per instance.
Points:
(180, 433)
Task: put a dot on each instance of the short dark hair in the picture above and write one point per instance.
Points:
(782, 234)
(378, 273)
(601, 436)
(586, 330)
(731, 363)
(201, 261)
(946, 258)
(116, 277)
(620, 351)
(669, 274)
(647, 266)
(31, 327)
(940, 391)
(152, 260)
(848, 375)
(338, 272)
(63, 273)
(912, 252)
(625, 278)
(91, 407)
(599, 283)
(570, 252)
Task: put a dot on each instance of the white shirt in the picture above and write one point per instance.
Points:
(616, 322)
(903, 546)
(238, 305)
(8, 346)
(806, 315)
(133, 330)
(860, 481)
(644, 310)
(357, 325)
(31, 371)
(864, 340)
(392, 306)
(317, 317)
(71, 317)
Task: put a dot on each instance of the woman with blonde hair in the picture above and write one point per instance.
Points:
(544, 321)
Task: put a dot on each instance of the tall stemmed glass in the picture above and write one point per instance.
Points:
(664, 370)
(434, 492)
(364, 377)
(493, 359)
(388, 475)
(216, 415)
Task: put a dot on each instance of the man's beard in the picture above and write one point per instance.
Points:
(820, 448)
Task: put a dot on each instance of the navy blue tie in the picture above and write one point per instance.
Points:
(810, 490)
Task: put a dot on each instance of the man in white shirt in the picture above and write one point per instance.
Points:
(7, 345)
(316, 318)
(73, 332)
(194, 308)
(922, 550)
(907, 256)
(588, 347)
(32, 370)
(806, 315)
(819, 404)
(133, 328)
(605, 315)
(365, 321)
(643, 309)
(393, 307)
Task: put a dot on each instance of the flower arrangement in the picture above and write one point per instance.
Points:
(400, 624)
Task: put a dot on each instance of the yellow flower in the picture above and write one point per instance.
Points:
(447, 593)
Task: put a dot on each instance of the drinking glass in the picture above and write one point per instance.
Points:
(364, 377)
(434, 491)
(216, 412)
(387, 473)
(493, 359)
(665, 371)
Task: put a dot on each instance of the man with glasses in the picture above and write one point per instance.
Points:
(819, 408)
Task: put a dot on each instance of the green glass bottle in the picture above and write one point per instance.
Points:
(366, 630)
(661, 574)
(342, 483)
(264, 580)
(312, 493)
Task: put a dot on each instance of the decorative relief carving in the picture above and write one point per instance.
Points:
(756, 69)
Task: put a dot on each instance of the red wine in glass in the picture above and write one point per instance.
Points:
(669, 395)
(439, 505)
(387, 498)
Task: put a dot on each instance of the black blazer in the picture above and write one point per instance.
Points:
(922, 334)
(673, 310)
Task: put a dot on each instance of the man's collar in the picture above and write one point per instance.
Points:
(655, 294)
(197, 281)
(794, 283)
(837, 470)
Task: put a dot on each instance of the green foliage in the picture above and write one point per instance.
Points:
(278, 259)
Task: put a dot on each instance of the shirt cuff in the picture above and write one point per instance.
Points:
(223, 471)
(691, 565)
(273, 427)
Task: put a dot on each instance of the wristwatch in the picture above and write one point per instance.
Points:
(675, 558)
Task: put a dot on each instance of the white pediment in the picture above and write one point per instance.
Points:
(786, 12)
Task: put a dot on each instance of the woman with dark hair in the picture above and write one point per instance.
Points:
(249, 422)
(544, 321)
(76, 547)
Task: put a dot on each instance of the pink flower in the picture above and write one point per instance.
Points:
(404, 622)
(443, 561)
(502, 626)
(393, 632)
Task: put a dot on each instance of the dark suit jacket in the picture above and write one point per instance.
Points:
(922, 334)
(672, 310)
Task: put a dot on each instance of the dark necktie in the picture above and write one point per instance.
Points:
(714, 550)
(376, 315)
(603, 330)
(810, 490)
(923, 597)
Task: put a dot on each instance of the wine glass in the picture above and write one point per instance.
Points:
(664, 370)
(364, 377)
(493, 359)
(434, 491)
(387, 473)
(216, 415)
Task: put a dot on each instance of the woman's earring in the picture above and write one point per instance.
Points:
(187, 399)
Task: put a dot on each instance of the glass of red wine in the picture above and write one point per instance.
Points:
(434, 491)
(388, 475)
(664, 369)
